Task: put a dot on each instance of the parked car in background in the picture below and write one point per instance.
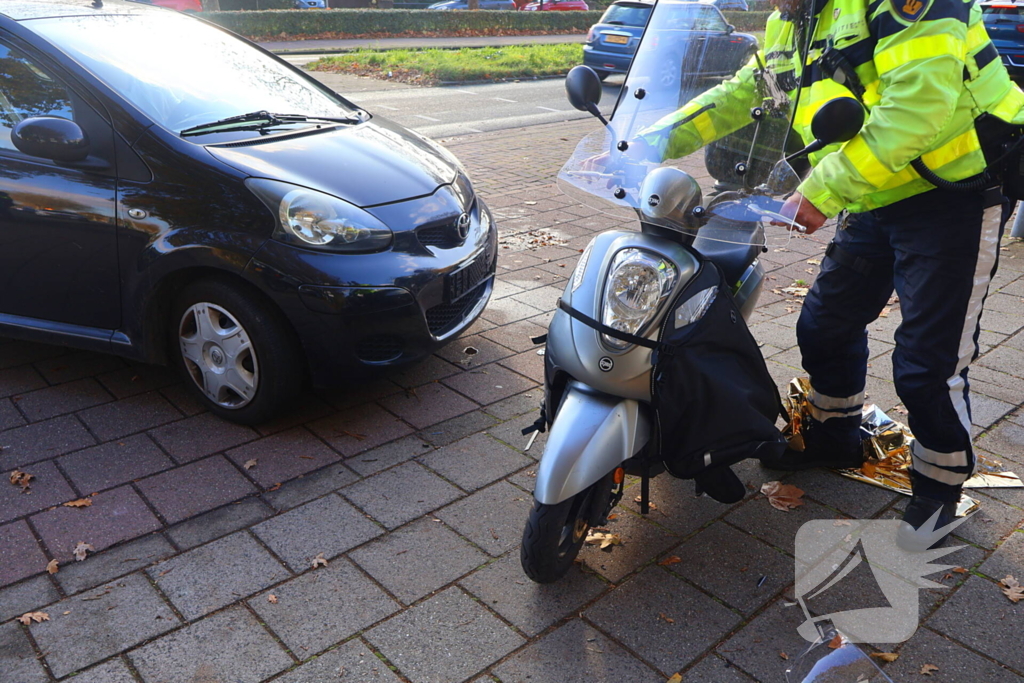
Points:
(153, 206)
(611, 43)
(729, 5)
(464, 5)
(556, 5)
(1005, 25)
(179, 5)
(310, 4)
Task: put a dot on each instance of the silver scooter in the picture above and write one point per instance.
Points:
(631, 291)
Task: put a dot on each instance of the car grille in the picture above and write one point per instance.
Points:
(445, 236)
(444, 317)
(379, 348)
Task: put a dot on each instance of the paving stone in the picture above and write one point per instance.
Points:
(677, 509)
(986, 411)
(113, 671)
(528, 364)
(138, 379)
(353, 660)
(632, 615)
(31, 443)
(575, 653)
(283, 456)
(183, 398)
(22, 352)
(430, 369)
(360, 393)
(74, 577)
(188, 440)
(475, 461)
(446, 638)
(310, 486)
(114, 463)
(9, 415)
(530, 606)
(20, 380)
(27, 596)
(228, 646)
(778, 528)
(388, 455)
(114, 516)
(502, 311)
(401, 494)
(66, 398)
(307, 408)
(484, 351)
(493, 517)
(1006, 441)
(323, 606)
(489, 384)
(327, 525)
(216, 574)
(457, 428)
(428, 405)
(102, 623)
(18, 662)
(642, 541)
(730, 565)
(991, 523)
(219, 522)
(956, 663)
(711, 669)
(516, 336)
(359, 429)
(418, 559)
(76, 365)
(979, 616)
(510, 432)
(854, 498)
(756, 647)
(129, 415)
(527, 402)
(1007, 559)
(194, 488)
(21, 555)
(46, 489)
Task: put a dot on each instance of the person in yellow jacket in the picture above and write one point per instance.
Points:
(924, 215)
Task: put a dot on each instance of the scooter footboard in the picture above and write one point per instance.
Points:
(592, 434)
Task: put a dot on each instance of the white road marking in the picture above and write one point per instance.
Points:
(548, 108)
(384, 106)
(502, 99)
(426, 118)
(474, 130)
(467, 92)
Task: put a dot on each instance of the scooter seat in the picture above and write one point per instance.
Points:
(730, 245)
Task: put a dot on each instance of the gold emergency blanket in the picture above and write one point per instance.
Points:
(887, 451)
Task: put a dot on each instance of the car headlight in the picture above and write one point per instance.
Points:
(308, 218)
(638, 283)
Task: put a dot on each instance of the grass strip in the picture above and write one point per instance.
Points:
(433, 66)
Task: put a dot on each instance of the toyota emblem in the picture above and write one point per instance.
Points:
(462, 225)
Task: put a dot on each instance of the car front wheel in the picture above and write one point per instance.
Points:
(239, 355)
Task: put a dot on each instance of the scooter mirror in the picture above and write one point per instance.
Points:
(583, 88)
(837, 120)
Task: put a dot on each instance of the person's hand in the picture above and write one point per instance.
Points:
(801, 212)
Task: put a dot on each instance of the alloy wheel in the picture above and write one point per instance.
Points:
(218, 355)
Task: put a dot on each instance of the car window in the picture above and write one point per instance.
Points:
(182, 72)
(1001, 14)
(626, 15)
(27, 90)
(687, 17)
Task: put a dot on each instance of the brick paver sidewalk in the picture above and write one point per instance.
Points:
(415, 487)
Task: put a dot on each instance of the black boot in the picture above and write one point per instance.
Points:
(834, 443)
(927, 522)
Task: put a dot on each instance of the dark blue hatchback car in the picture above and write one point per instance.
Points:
(612, 42)
(1005, 25)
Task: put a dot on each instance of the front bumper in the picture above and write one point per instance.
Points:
(359, 313)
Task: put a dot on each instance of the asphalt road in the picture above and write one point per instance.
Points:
(448, 111)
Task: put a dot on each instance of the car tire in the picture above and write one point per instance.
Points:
(237, 353)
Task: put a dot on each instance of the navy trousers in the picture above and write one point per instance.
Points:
(939, 251)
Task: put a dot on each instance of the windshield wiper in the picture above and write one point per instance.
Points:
(258, 120)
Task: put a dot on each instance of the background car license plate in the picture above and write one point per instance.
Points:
(620, 40)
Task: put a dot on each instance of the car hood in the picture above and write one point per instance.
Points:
(373, 163)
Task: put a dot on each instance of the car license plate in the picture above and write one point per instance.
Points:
(466, 278)
(619, 40)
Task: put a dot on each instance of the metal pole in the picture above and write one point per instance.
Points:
(1018, 223)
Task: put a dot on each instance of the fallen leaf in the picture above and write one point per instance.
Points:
(37, 617)
(885, 312)
(960, 570)
(1013, 590)
(80, 503)
(82, 549)
(272, 599)
(928, 669)
(21, 479)
(836, 642)
(319, 561)
(784, 655)
(669, 560)
(886, 656)
(676, 678)
(782, 496)
(610, 517)
(796, 291)
(52, 567)
(249, 464)
(814, 262)
(841, 522)
(668, 620)
(603, 539)
(274, 487)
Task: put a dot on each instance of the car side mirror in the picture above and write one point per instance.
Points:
(51, 137)
(729, 29)
(838, 120)
(583, 88)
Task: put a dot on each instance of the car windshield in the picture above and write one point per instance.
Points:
(627, 15)
(182, 72)
(995, 14)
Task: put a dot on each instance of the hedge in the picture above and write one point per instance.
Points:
(357, 22)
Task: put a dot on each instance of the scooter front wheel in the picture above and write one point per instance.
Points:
(555, 533)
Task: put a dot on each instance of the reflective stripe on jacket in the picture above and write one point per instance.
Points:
(925, 79)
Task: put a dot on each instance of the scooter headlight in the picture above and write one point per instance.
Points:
(638, 283)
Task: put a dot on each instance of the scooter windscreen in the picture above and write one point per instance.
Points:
(698, 139)
(834, 659)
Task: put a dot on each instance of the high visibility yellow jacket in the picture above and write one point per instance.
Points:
(928, 70)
